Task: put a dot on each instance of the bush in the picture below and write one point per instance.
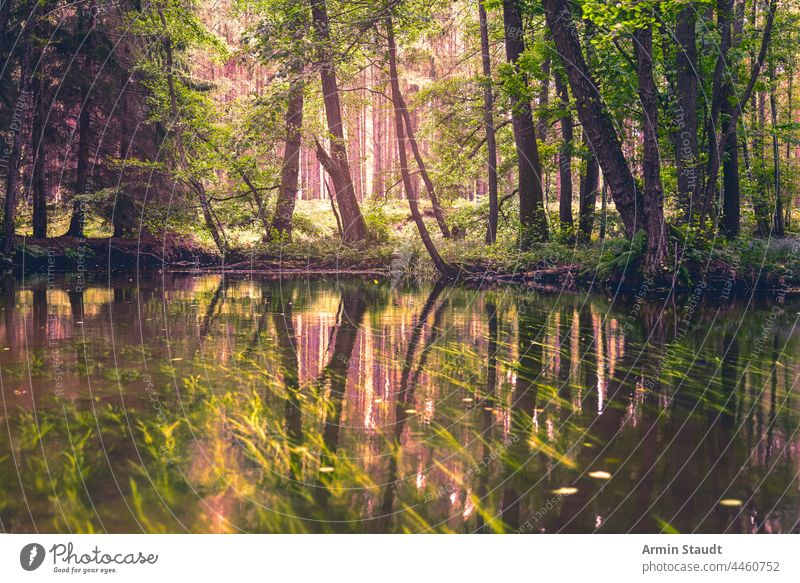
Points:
(377, 223)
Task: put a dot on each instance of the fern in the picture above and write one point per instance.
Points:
(622, 255)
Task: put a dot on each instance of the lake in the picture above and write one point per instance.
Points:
(197, 403)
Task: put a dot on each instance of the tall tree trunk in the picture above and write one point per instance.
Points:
(78, 218)
(15, 129)
(603, 209)
(38, 152)
(686, 81)
(653, 192)
(488, 122)
(777, 223)
(588, 193)
(336, 163)
(378, 134)
(444, 268)
(287, 193)
(565, 158)
(532, 218)
(544, 97)
(594, 117)
(731, 191)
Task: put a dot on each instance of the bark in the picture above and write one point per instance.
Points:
(653, 191)
(533, 220)
(377, 136)
(444, 268)
(731, 191)
(686, 81)
(488, 121)
(594, 117)
(78, 218)
(38, 153)
(544, 97)
(336, 163)
(5, 18)
(603, 209)
(589, 181)
(18, 116)
(565, 158)
(287, 193)
(777, 223)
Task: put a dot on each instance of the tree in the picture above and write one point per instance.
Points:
(533, 221)
(335, 163)
(488, 120)
(565, 158)
(290, 168)
(444, 268)
(88, 20)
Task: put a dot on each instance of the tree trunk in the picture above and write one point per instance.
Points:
(287, 193)
(78, 219)
(653, 192)
(777, 223)
(731, 191)
(603, 210)
(686, 155)
(565, 158)
(488, 121)
(444, 268)
(378, 135)
(15, 129)
(533, 220)
(594, 117)
(38, 152)
(336, 163)
(588, 193)
(544, 97)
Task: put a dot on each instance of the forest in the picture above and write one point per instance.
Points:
(400, 266)
(586, 140)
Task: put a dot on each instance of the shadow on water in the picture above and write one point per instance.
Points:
(210, 404)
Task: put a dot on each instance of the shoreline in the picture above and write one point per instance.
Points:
(180, 255)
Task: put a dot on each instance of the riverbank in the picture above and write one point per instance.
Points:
(110, 253)
(769, 266)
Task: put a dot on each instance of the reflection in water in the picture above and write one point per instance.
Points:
(210, 404)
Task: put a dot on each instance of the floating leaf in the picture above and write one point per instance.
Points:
(599, 475)
(565, 491)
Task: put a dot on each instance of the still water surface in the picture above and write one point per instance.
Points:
(202, 404)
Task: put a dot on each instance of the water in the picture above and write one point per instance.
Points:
(193, 403)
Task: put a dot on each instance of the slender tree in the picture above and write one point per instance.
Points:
(444, 268)
(532, 218)
(335, 163)
(565, 157)
(488, 122)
